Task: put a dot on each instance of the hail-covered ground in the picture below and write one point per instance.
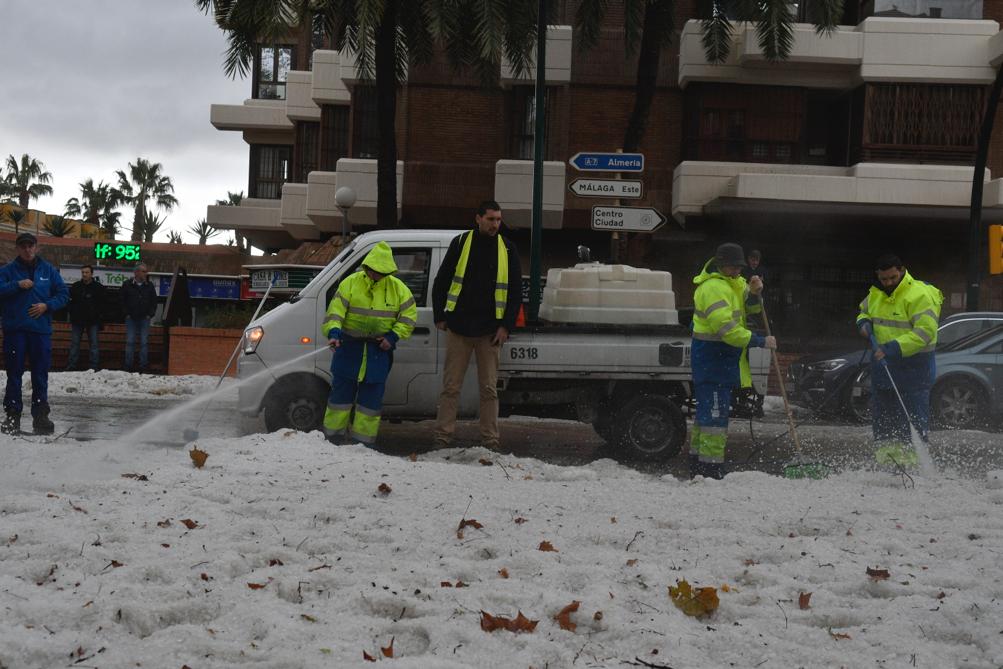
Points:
(286, 551)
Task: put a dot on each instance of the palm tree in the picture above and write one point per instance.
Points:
(27, 180)
(59, 226)
(203, 231)
(146, 181)
(388, 36)
(234, 200)
(174, 237)
(96, 206)
(15, 216)
(151, 225)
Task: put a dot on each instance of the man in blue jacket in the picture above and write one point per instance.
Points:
(31, 290)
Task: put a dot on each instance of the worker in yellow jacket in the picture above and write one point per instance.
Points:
(720, 360)
(903, 315)
(370, 313)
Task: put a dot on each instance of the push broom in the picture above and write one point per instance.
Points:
(798, 467)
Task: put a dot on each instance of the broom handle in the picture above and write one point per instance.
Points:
(780, 379)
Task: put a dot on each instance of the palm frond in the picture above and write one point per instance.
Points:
(589, 21)
(829, 13)
(717, 31)
(775, 30)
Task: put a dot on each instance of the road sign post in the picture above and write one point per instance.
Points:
(626, 219)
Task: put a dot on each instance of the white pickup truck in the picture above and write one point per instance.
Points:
(630, 382)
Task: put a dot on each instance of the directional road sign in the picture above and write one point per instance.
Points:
(627, 219)
(606, 188)
(608, 162)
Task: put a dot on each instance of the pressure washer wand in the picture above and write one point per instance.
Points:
(191, 434)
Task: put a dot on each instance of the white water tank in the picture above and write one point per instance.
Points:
(615, 294)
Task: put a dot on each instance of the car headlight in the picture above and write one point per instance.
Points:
(827, 365)
(251, 338)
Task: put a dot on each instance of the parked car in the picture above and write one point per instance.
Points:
(839, 383)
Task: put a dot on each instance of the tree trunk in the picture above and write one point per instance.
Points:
(386, 110)
(633, 250)
(138, 223)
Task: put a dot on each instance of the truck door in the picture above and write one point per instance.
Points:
(413, 375)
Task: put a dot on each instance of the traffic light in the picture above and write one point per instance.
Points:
(996, 249)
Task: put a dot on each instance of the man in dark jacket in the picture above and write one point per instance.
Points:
(31, 289)
(476, 298)
(86, 298)
(139, 299)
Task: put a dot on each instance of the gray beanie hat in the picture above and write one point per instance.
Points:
(729, 255)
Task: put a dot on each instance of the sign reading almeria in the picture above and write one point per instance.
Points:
(607, 162)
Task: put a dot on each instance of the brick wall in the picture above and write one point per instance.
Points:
(202, 351)
(111, 341)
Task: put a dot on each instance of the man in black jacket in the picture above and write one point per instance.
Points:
(86, 298)
(139, 299)
(476, 298)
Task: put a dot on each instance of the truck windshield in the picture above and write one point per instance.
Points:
(338, 260)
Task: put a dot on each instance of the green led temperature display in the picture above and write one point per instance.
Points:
(116, 251)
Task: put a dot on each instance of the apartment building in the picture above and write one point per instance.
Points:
(862, 142)
(310, 126)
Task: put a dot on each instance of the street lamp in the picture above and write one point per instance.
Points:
(344, 197)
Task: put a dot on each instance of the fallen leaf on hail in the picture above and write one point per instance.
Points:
(546, 546)
(485, 462)
(597, 616)
(631, 562)
(750, 562)
(198, 457)
(520, 623)
(138, 477)
(697, 603)
(445, 584)
(275, 563)
(612, 519)
(837, 635)
(878, 574)
(564, 617)
(467, 522)
(163, 523)
(389, 650)
(308, 618)
(367, 657)
(256, 586)
(503, 572)
(413, 457)
(384, 489)
(725, 587)
(189, 523)
(804, 601)
(519, 521)
(77, 508)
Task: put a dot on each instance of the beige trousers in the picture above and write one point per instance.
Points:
(488, 356)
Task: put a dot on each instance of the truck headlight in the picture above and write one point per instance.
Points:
(251, 338)
(827, 365)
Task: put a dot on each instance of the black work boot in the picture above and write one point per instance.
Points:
(694, 462)
(12, 424)
(40, 421)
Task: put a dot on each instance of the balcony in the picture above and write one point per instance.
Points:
(320, 206)
(328, 88)
(300, 105)
(256, 219)
(357, 174)
(252, 115)
(714, 189)
(293, 212)
(514, 192)
(558, 65)
(878, 49)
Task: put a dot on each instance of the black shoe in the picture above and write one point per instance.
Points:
(12, 424)
(42, 425)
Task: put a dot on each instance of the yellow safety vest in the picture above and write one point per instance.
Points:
(501, 280)
(909, 315)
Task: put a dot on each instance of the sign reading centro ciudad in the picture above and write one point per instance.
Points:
(614, 218)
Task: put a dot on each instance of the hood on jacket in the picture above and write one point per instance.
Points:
(710, 271)
(381, 259)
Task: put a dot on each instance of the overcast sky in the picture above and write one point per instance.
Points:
(93, 84)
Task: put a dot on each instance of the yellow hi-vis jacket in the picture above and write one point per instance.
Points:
(908, 317)
(501, 279)
(720, 334)
(363, 310)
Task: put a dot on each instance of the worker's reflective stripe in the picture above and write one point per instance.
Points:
(499, 305)
(711, 309)
(358, 334)
(367, 411)
(863, 305)
(339, 407)
(887, 322)
(707, 336)
(406, 304)
(334, 319)
(501, 277)
(377, 313)
(407, 321)
(925, 312)
(727, 327)
(342, 298)
(922, 334)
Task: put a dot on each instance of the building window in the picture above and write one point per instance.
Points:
(944, 9)
(365, 129)
(305, 150)
(524, 122)
(333, 136)
(269, 170)
(271, 69)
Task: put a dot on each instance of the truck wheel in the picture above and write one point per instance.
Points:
(296, 403)
(649, 428)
